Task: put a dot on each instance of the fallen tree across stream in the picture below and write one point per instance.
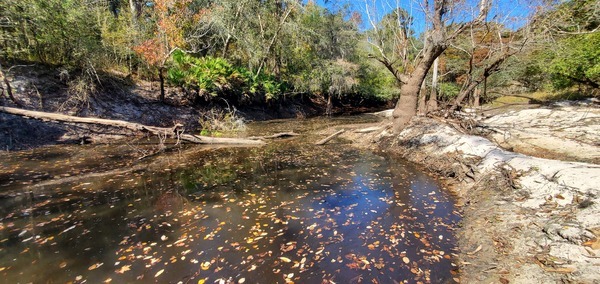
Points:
(174, 132)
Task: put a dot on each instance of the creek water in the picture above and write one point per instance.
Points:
(286, 212)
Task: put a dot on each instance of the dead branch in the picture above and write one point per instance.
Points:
(275, 136)
(368, 129)
(328, 138)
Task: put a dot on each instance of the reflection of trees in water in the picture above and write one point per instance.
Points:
(258, 204)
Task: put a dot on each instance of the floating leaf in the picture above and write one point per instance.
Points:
(205, 265)
(406, 260)
(285, 259)
(95, 265)
(124, 269)
(159, 273)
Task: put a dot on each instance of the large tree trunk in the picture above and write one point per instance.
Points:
(406, 108)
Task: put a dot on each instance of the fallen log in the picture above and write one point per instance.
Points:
(275, 136)
(175, 131)
(368, 129)
(328, 138)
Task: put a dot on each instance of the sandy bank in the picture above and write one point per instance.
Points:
(526, 219)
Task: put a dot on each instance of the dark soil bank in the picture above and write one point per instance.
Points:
(42, 88)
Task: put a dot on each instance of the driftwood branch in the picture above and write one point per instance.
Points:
(368, 129)
(328, 138)
(275, 136)
(174, 131)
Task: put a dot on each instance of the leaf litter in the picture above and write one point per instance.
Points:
(278, 214)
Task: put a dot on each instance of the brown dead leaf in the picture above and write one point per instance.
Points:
(95, 265)
(124, 269)
(594, 244)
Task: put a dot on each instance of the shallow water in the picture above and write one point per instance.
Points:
(285, 212)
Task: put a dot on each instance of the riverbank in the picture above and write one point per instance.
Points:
(42, 88)
(526, 219)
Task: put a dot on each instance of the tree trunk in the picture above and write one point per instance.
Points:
(406, 108)
(226, 46)
(422, 106)
(476, 96)
(161, 78)
(135, 11)
(329, 108)
(464, 93)
(272, 43)
(432, 102)
(493, 67)
(8, 88)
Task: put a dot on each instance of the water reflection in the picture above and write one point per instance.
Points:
(276, 214)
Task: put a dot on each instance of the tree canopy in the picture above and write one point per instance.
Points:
(261, 51)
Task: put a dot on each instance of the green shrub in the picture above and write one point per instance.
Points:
(448, 90)
(217, 77)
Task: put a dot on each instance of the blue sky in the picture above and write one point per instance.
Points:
(512, 13)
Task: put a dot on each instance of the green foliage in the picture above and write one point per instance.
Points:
(527, 69)
(578, 61)
(250, 51)
(448, 91)
(216, 76)
(53, 31)
(377, 82)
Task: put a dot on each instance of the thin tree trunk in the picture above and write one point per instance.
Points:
(422, 106)
(270, 46)
(226, 46)
(161, 78)
(8, 88)
(489, 70)
(432, 102)
(133, 7)
(329, 108)
(240, 7)
(476, 95)
(464, 93)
